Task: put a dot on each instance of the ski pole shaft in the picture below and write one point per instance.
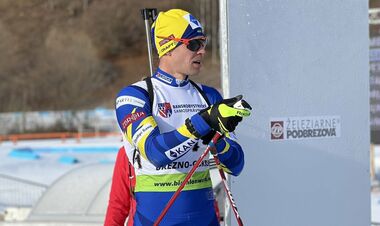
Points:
(148, 14)
(227, 190)
(187, 178)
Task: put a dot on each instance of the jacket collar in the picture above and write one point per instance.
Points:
(169, 79)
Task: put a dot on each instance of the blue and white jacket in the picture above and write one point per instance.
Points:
(167, 150)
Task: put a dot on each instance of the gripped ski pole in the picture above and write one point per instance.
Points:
(242, 105)
(187, 178)
(226, 189)
(149, 14)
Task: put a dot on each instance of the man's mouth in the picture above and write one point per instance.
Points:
(197, 62)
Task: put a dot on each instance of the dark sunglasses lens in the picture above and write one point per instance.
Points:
(195, 44)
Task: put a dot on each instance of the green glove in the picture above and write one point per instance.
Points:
(225, 115)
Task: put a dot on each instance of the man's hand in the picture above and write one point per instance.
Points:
(225, 115)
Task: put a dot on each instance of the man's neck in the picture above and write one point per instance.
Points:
(170, 71)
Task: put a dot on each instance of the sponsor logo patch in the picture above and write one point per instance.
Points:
(297, 128)
(166, 40)
(277, 130)
(164, 78)
(183, 165)
(169, 46)
(183, 108)
(165, 109)
(147, 128)
(123, 100)
(130, 118)
(181, 149)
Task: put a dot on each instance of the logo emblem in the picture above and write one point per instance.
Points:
(277, 130)
(193, 20)
(173, 154)
(165, 109)
(194, 23)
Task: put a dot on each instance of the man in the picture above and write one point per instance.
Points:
(165, 133)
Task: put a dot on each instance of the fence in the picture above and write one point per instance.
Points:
(18, 192)
(96, 120)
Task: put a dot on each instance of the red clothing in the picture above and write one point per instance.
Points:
(121, 202)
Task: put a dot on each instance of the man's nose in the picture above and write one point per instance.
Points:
(202, 50)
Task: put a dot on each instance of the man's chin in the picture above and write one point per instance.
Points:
(194, 73)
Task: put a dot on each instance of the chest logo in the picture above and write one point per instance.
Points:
(165, 109)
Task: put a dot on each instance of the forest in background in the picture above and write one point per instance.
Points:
(77, 54)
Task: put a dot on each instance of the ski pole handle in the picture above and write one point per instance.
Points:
(147, 15)
(242, 104)
(243, 108)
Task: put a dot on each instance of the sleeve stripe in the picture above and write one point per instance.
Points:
(185, 132)
(128, 131)
(147, 120)
(149, 123)
(224, 168)
(226, 148)
(141, 145)
(128, 134)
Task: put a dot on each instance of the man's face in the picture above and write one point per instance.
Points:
(185, 61)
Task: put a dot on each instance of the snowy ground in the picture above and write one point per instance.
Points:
(23, 180)
(375, 195)
(43, 171)
(48, 168)
(375, 206)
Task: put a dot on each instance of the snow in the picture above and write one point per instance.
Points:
(375, 206)
(375, 194)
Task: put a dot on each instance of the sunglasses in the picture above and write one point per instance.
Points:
(192, 44)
